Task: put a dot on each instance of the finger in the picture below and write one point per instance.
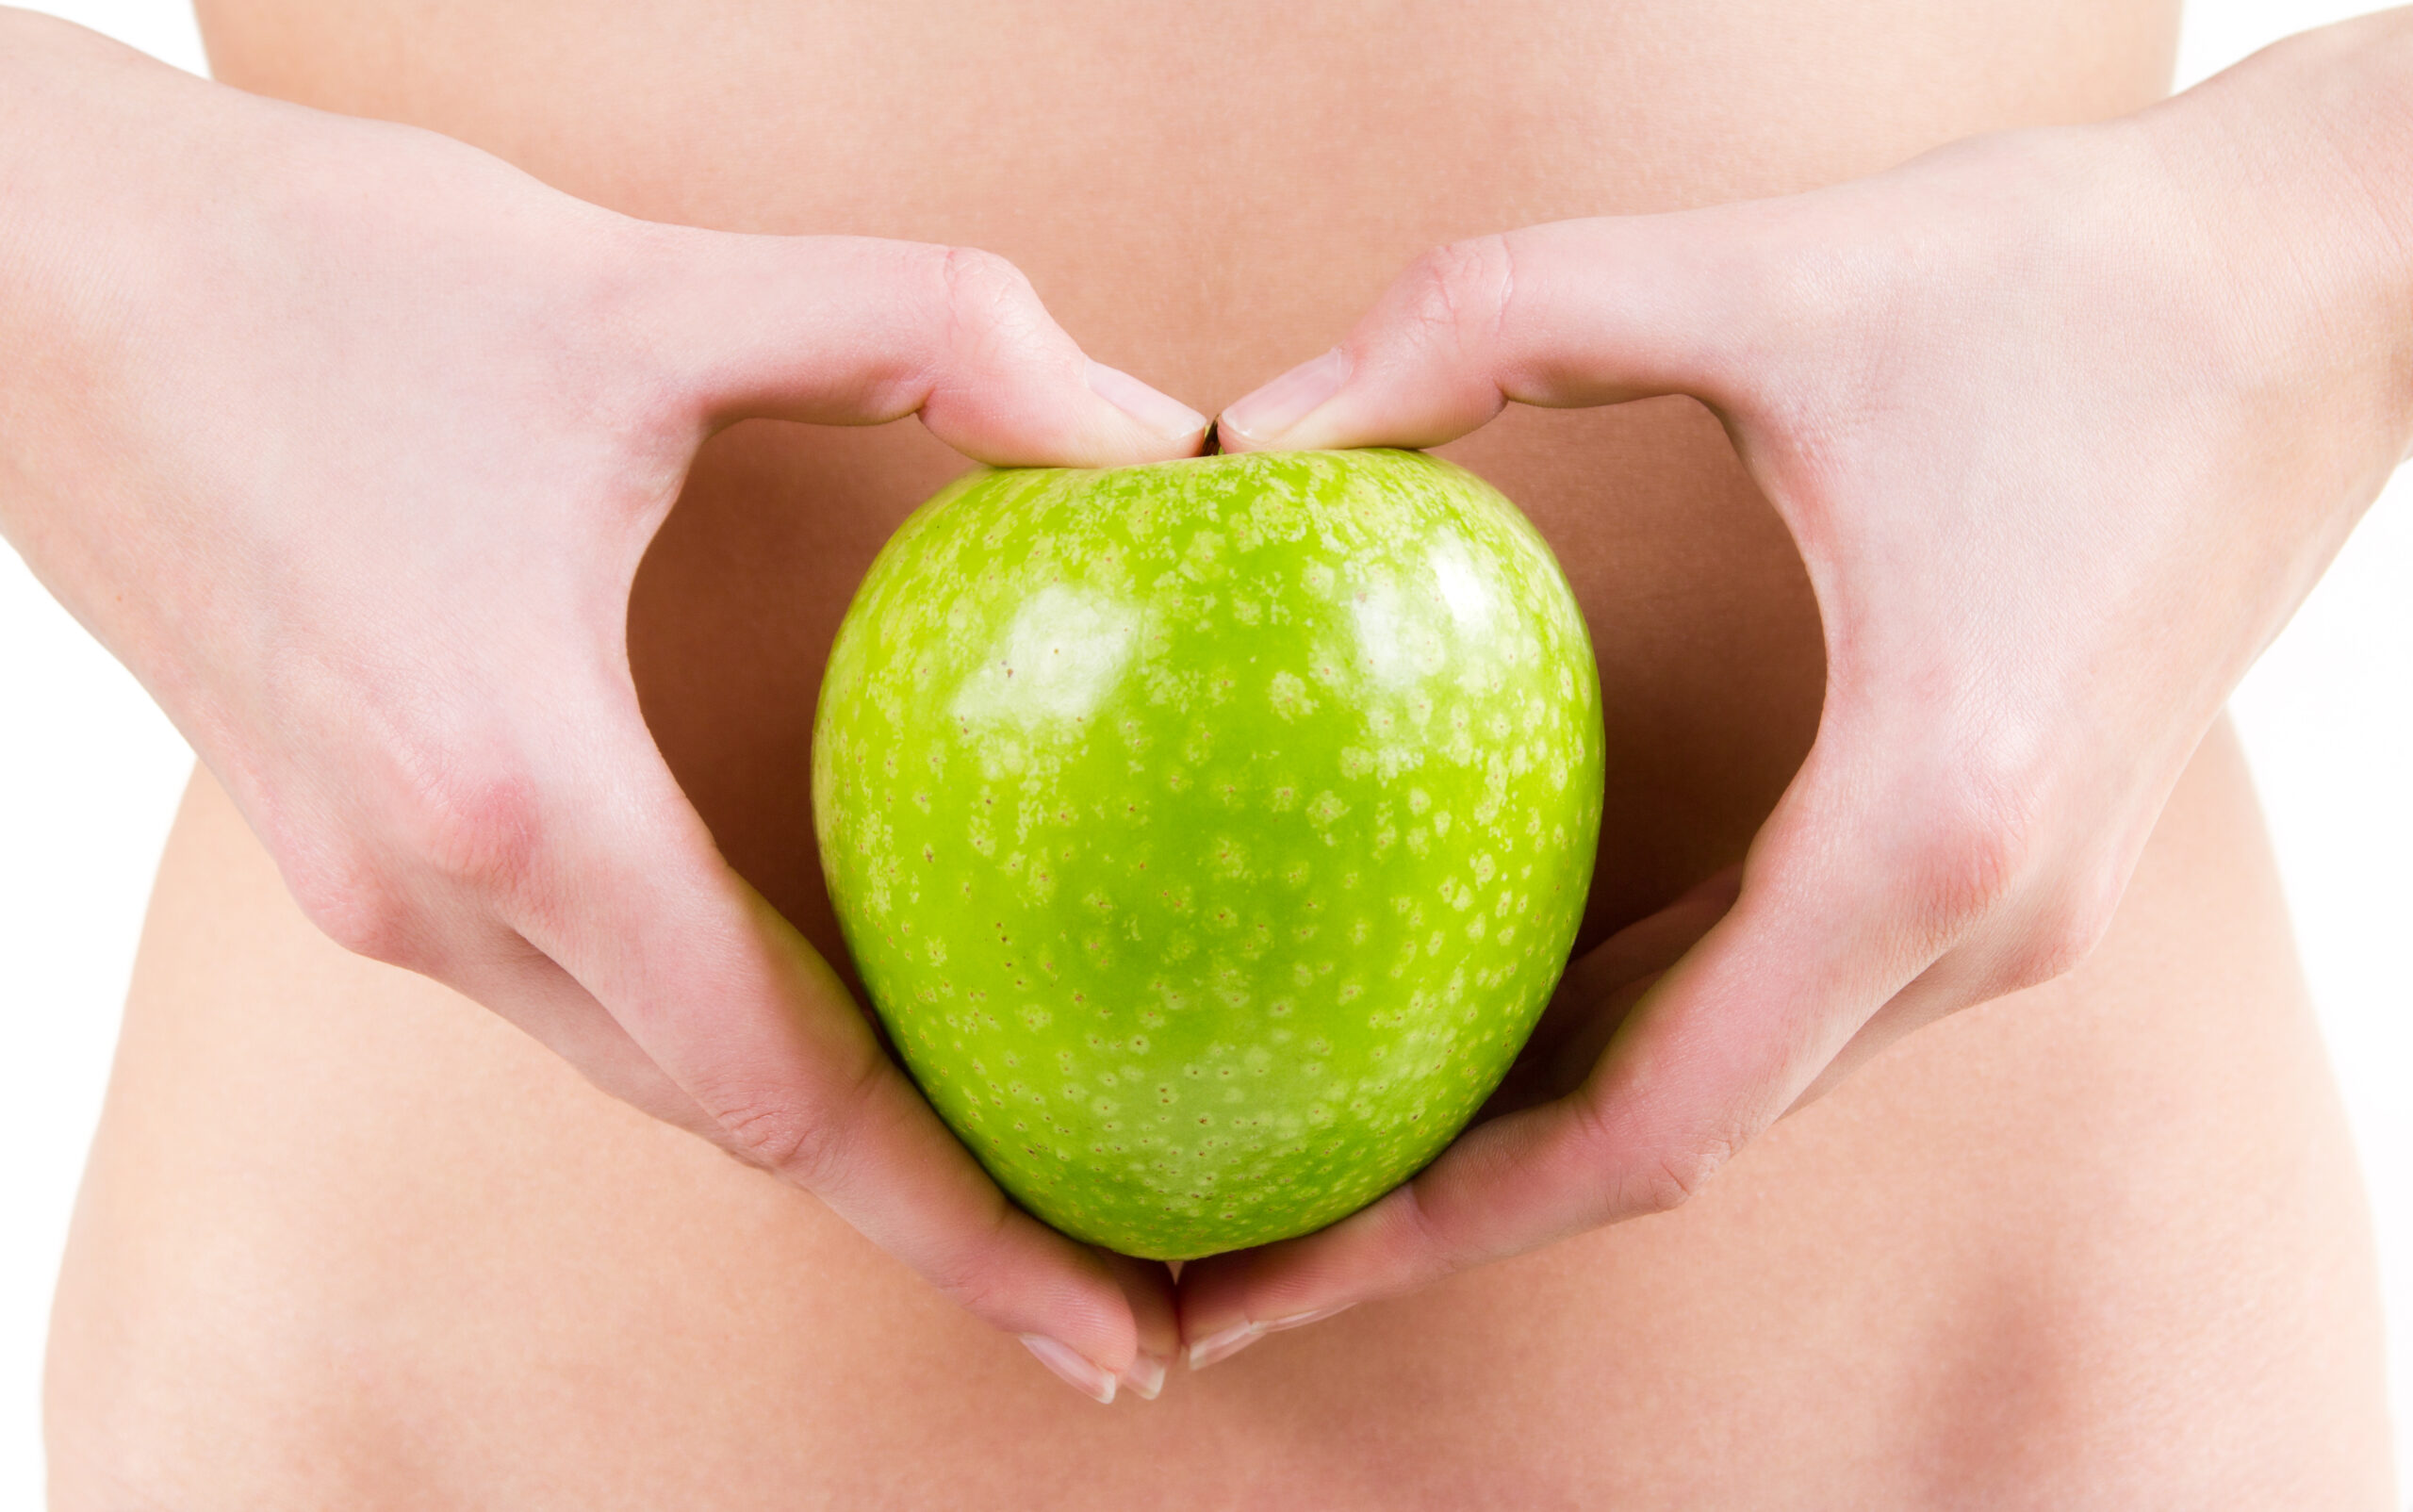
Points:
(529, 990)
(630, 896)
(1147, 1286)
(1591, 1001)
(1601, 988)
(2053, 922)
(1581, 312)
(1821, 934)
(857, 331)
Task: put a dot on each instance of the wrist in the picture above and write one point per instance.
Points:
(2291, 167)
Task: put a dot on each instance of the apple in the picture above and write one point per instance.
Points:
(1209, 834)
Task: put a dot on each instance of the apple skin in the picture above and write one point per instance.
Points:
(1211, 834)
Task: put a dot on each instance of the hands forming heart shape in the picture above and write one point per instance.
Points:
(2064, 424)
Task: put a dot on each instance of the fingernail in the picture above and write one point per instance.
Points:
(1224, 1346)
(1230, 1342)
(1072, 1367)
(1265, 415)
(1300, 1320)
(1145, 1374)
(1161, 413)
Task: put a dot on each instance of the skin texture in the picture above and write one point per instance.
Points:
(2096, 1244)
(2022, 652)
(1211, 834)
(533, 851)
(350, 1238)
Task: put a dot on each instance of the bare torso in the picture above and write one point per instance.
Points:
(348, 1240)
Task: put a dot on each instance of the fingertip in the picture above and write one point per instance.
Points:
(1144, 1377)
(1224, 440)
(1212, 1297)
(1223, 1344)
(1081, 1341)
(1230, 1301)
(1148, 1289)
(1107, 420)
(1166, 420)
(1229, 1341)
(1073, 1368)
(1265, 417)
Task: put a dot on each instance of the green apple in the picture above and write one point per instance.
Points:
(1211, 834)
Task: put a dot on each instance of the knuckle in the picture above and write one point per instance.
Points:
(1975, 849)
(782, 1135)
(2060, 938)
(1459, 293)
(2043, 956)
(798, 1136)
(1671, 1178)
(1959, 877)
(986, 323)
(985, 296)
(471, 821)
(351, 901)
(1997, 871)
(1658, 1179)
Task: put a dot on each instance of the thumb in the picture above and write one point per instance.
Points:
(1571, 314)
(860, 330)
(1724, 1043)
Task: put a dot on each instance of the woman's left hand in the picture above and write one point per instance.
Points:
(2064, 424)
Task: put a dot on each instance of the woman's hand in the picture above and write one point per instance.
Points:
(2064, 425)
(347, 440)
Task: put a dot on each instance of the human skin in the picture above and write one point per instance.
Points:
(464, 783)
(2023, 647)
(406, 1363)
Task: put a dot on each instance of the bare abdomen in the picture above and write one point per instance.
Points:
(348, 1239)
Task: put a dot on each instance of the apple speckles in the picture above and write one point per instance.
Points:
(1289, 696)
(1227, 859)
(1042, 707)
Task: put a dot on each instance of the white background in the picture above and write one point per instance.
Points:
(90, 772)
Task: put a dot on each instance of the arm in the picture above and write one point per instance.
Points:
(347, 440)
(2065, 424)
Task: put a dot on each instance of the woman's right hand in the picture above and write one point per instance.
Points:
(347, 440)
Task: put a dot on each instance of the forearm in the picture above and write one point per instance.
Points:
(110, 165)
(2298, 164)
(99, 145)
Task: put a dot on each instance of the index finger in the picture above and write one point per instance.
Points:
(862, 331)
(630, 895)
(1574, 313)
